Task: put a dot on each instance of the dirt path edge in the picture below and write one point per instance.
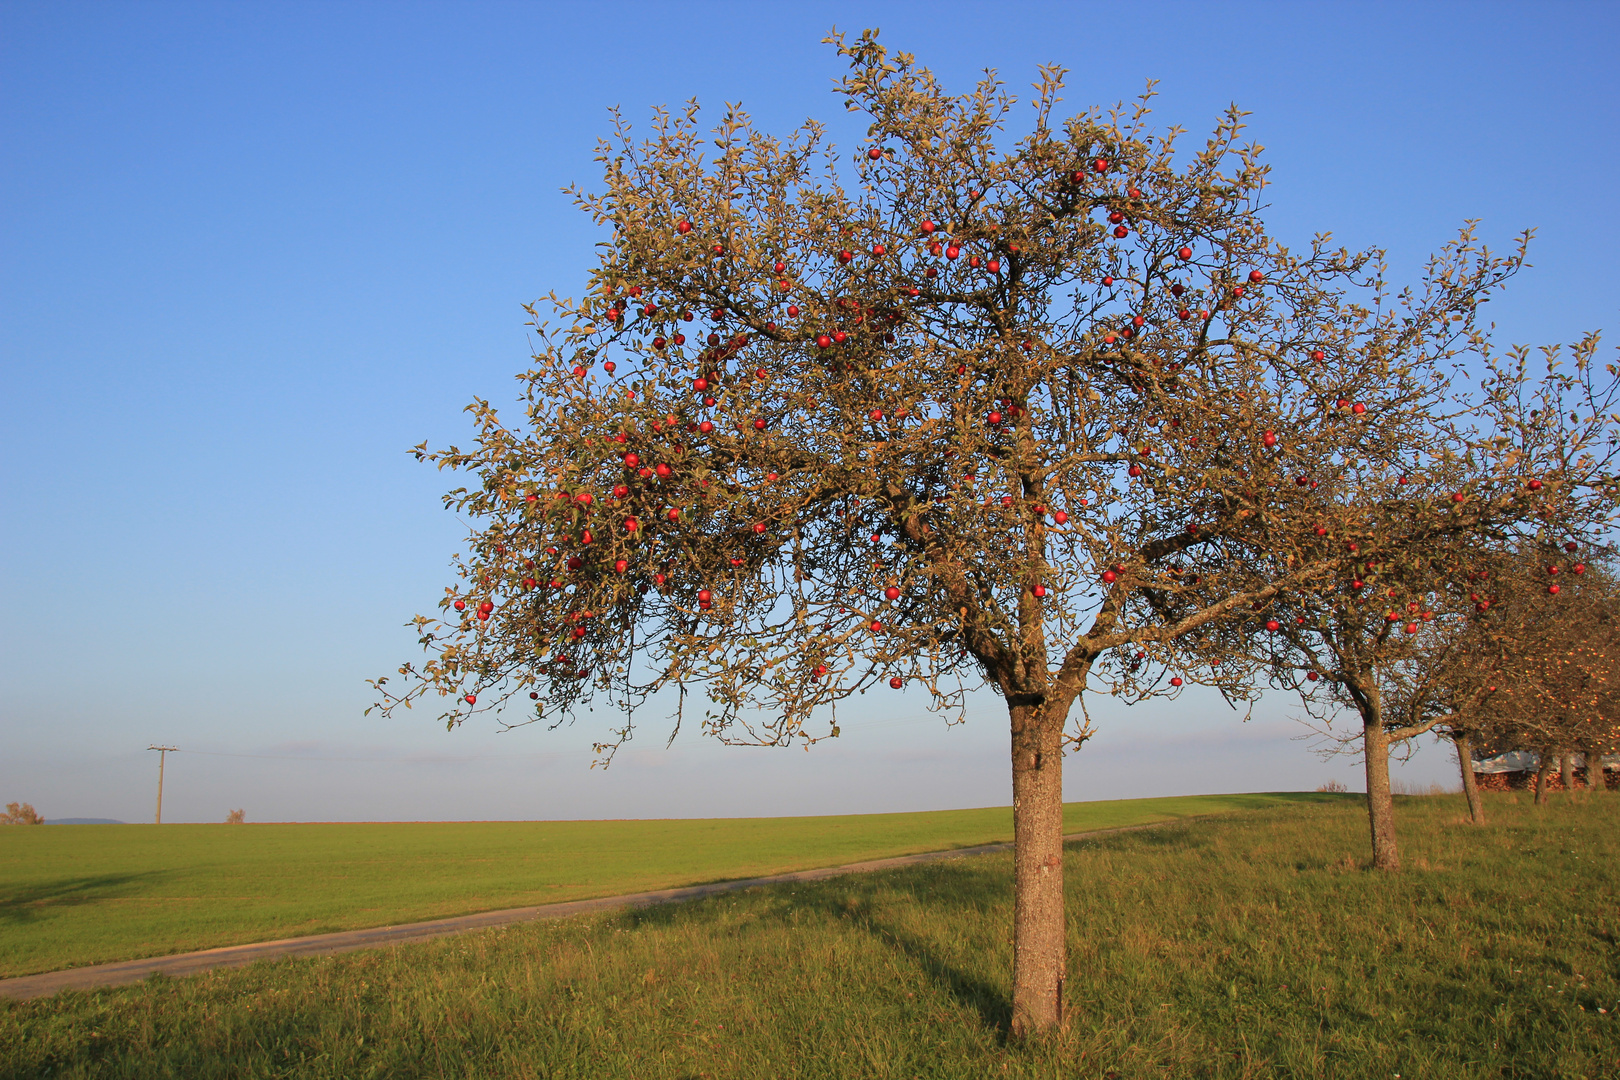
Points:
(125, 972)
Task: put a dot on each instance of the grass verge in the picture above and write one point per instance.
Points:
(1248, 946)
(72, 895)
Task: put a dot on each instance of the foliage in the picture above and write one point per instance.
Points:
(236, 817)
(1547, 668)
(20, 814)
(952, 424)
(1240, 947)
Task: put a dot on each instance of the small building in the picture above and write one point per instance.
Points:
(1516, 771)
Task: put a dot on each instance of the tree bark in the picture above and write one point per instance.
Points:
(1380, 807)
(1543, 768)
(1566, 772)
(1594, 771)
(1039, 947)
(1465, 762)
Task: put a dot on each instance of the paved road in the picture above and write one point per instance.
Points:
(132, 971)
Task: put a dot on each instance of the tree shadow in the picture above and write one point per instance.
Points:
(24, 904)
(948, 890)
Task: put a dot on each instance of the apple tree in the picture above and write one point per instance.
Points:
(961, 410)
(1549, 675)
(1435, 510)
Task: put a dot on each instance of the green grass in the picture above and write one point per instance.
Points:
(1254, 945)
(83, 894)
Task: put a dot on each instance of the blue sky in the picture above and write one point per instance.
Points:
(251, 253)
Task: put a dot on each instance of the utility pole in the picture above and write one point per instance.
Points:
(163, 753)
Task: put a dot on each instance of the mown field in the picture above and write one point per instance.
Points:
(83, 894)
(1249, 945)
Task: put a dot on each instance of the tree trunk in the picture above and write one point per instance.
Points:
(1566, 772)
(1543, 768)
(1039, 958)
(1380, 807)
(1465, 762)
(1594, 771)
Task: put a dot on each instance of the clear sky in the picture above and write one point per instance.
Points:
(251, 253)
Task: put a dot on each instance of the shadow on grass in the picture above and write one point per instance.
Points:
(946, 894)
(952, 893)
(30, 902)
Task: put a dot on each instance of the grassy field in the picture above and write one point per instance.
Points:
(1254, 945)
(84, 894)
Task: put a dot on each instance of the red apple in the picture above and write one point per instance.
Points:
(683, 227)
(1273, 625)
(1313, 676)
(1175, 680)
(1269, 438)
(897, 682)
(874, 153)
(471, 699)
(1062, 517)
(1184, 254)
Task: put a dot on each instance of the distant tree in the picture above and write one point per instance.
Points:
(1026, 414)
(1553, 670)
(236, 817)
(20, 814)
(1426, 510)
